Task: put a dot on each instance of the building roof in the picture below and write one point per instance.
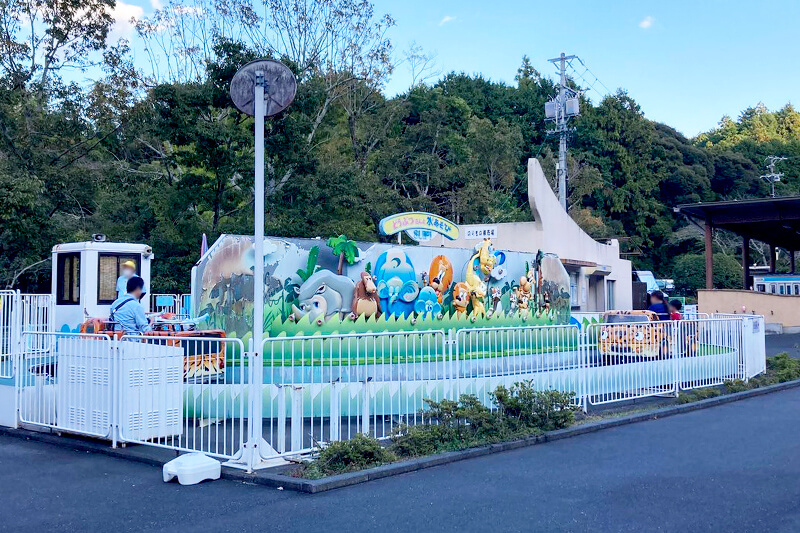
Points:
(774, 221)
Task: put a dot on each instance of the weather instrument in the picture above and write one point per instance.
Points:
(261, 88)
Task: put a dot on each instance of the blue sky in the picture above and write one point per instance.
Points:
(686, 63)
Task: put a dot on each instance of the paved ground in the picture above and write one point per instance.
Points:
(730, 468)
(783, 343)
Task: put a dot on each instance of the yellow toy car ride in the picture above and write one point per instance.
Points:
(632, 334)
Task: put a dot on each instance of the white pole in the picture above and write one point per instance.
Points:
(258, 273)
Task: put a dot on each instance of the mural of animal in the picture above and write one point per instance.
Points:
(477, 291)
(441, 275)
(497, 306)
(427, 303)
(460, 297)
(322, 296)
(397, 282)
(365, 298)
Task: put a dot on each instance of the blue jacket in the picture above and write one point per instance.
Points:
(661, 310)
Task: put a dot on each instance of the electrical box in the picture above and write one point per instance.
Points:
(550, 109)
(573, 107)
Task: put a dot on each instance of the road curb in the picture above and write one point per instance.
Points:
(159, 456)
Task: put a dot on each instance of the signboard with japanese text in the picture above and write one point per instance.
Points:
(417, 220)
(480, 232)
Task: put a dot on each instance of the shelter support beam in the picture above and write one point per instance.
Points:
(709, 257)
(746, 262)
(772, 258)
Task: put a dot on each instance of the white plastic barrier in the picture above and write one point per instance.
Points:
(69, 387)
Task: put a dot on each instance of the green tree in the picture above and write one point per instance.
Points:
(690, 273)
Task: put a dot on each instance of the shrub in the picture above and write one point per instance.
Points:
(783, 367)
(358, 453)
(525, 407)
(737, 385)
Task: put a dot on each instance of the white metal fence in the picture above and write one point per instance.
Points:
(22, 312)
(210, 395)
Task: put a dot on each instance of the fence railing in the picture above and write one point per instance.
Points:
(184, 393)
(22, 312)
(208, 394)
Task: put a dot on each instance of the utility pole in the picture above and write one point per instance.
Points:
(559, 110)
(773, 177)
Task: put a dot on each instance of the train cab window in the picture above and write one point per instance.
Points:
(781, 289)
(761, 288)
(68, 289)
(772, 288)
(797, 289)
(108, 271)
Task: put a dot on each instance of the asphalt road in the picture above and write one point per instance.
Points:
(789, 343)
(734, 467)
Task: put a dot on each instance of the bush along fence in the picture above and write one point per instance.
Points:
(246, 406)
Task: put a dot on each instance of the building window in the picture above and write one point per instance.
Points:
(610, 287)
(780, 289)
(574, 297)
(68, 290)
(761, 288)
(108, 270)
(796, 289)
(772, 288)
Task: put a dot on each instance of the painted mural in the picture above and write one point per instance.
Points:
(315, 286)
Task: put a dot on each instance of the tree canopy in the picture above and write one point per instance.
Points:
(160, 155)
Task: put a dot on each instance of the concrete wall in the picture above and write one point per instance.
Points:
(778, 310)
(553, 230)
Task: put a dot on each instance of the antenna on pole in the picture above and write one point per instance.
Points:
(559, 110)
(773, 177)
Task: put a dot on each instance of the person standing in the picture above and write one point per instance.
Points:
(675, 307)
(658, 306)
(128, 271)
(126, 313)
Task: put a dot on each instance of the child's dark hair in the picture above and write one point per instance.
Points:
(676, 304)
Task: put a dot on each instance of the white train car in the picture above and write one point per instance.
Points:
(85, 278)
(787, 284)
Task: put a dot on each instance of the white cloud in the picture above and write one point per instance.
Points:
(156, 4)
(446, 19)
(122, 15)
(646, 22)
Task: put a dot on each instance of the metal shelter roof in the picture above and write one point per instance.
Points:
(775, 221)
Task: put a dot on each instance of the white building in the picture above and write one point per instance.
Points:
(599, 278)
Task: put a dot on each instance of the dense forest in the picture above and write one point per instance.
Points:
(154, 151)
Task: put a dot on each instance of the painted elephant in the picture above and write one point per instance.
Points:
(397, 282)
(323, 295)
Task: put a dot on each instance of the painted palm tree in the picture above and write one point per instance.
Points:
(345, 249)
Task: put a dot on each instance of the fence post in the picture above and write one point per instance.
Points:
(674, 353)
(297, 418)
(116, 388)
(365, 406)
(281, 418)
(336, 415)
